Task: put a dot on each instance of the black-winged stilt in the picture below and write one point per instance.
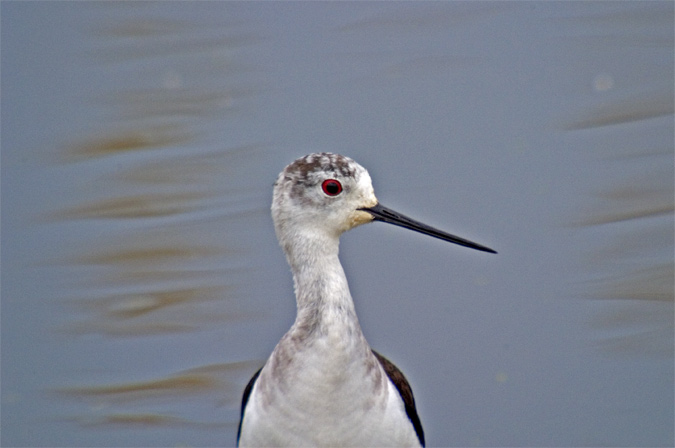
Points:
(323, 385)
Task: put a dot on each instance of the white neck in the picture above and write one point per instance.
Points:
(321, 288)
(326, 331)
(325, 308)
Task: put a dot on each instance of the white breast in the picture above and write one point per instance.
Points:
(320, 415)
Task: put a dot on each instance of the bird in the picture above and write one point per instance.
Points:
(323, 385)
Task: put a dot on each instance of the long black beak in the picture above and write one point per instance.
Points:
(384, 214)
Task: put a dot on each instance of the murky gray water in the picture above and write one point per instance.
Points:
(141, 280)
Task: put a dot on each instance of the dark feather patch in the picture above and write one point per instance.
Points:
(244, 400)
(404, 389)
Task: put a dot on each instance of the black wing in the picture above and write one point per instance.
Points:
(244, 400)
(404, 389)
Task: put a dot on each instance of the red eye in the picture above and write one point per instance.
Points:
(331, 187)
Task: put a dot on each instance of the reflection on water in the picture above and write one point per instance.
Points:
(148, 278)
(198, 380)
(149, 313)
(137, 206)
(154, 255)
(177, 101)
(138, 420)
(644, 107)
(120, 142)
(638, 207)
(155, 39)
(105, 401)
